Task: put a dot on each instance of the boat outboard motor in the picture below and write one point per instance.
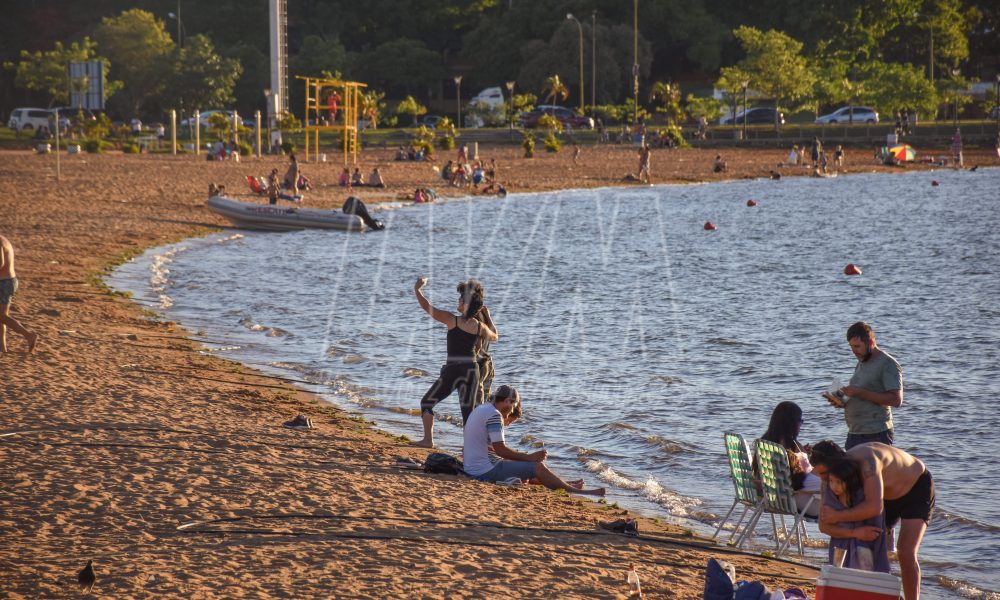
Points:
(354, 206)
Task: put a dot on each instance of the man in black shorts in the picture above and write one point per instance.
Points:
(895, 482)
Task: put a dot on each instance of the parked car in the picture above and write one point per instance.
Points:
(565, 116)
(848, 114)
(28, 119)
(203, 118)
(757, 115)
(429, 121)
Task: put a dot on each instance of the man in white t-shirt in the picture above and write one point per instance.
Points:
(487, 457)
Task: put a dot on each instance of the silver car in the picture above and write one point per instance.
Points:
(861, 114)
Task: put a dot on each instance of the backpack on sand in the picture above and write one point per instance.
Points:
(439, 462)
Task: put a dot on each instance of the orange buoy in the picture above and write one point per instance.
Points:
(935, 183)
(709, 226)
(852, 269)
(751, 202)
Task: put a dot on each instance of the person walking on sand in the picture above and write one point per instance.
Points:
(896, 483)
(461, 369)
(874, 390)
(644, 164)
(487, 457)
(8, 286)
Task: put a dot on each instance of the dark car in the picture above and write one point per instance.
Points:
(759, 115)
(429, 121)
(564, 115)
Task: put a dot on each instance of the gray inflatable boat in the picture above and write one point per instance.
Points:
(271, 217)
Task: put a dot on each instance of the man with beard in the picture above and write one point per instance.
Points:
(874, 390)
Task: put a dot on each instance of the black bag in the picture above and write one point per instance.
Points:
(439, 462)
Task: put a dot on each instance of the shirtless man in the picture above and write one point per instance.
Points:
(895, 482)
(8, 285)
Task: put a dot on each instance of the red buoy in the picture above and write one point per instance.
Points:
(751, 202)
(852, 269)
(935, 183)
(709, 226)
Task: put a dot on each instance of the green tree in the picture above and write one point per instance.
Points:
(46, 72)
(372, 106)
(773, 66)
(888, 87)
(202, 79)
(668, 96)
(409, 106)
(403, 63)
(143, 52)
(704, 106)
(554, 89)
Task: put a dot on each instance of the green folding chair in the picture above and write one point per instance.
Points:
(741, 471)
(778, 496)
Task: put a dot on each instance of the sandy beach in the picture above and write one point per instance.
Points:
(124, 443)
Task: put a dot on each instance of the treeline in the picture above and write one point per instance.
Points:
(799, 54)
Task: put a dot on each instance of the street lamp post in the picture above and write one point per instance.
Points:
(510, 93)
(458, 96)
(180, 25)
(580, 27)
(745, 84)
(635, 60)
(954, 73)
(593, 60)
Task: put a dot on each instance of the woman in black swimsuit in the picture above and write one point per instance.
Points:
(461, 370)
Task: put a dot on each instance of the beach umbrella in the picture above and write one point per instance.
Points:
(903, 152)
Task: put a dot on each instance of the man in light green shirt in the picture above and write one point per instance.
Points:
(874, 390)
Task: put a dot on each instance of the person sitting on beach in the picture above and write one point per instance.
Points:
(375, 179)
(783, 429)
(478, 174)
(894, 482)
(304, 182)
(345, 178)
(448, 171)
(401, 154)
(718, 165)
(487, 457)
(863, 542)
(461, 370)
(419, 197)
(357, 179)
(793, 157)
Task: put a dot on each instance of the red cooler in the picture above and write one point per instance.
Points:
(851, 584)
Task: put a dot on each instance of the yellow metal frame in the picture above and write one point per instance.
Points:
(350, 92)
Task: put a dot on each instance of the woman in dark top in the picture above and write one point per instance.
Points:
(461, 369)
(783, 429)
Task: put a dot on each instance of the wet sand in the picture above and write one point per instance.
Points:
(118, 430)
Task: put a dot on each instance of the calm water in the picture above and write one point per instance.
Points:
(637, 338)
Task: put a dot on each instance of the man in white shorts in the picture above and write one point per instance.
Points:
(487, 457)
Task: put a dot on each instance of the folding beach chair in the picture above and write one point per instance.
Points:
(778, 496)
(741, 472)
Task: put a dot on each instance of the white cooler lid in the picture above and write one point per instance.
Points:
(866, 581)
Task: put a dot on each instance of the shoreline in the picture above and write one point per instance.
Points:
(171, 436)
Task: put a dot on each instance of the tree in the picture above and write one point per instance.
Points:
(404, 63)
(143, 51)
(891, 86)
(371, 106)
(704, 106)
(46, 72)
(668, 95)
(773, 66)
(202, 79)
(409, 106)
(554, 89)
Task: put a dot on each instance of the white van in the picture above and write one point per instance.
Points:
(29, 119)
(491, 97)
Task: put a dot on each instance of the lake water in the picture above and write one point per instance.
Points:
(637, 338)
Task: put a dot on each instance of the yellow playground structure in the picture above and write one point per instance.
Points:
(332, 105)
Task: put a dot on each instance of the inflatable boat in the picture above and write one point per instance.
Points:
(271, 217)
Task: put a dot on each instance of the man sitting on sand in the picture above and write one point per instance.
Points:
(8, 286)
(718, 165)
(894, 482)
(488, 458)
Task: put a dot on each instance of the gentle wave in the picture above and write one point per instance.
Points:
(966, 590)
(649, 489)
